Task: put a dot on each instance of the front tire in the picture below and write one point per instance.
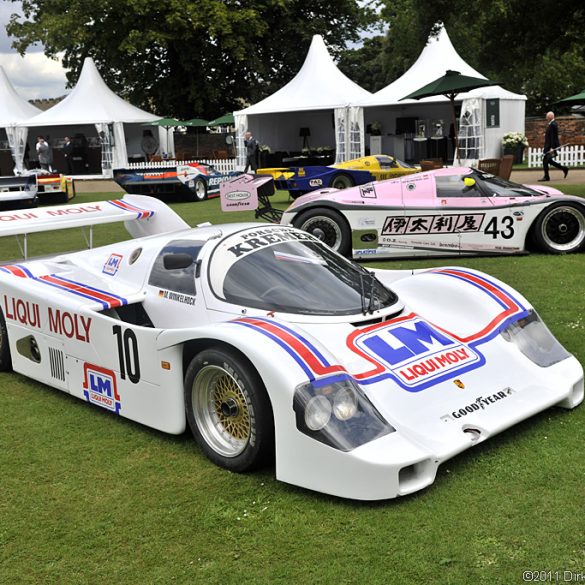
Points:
(228, 410)
(560, 229)
(327, 225)
(5, 360)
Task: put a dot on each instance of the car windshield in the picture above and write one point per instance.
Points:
(405, 164)
(493, 186)
(302, 277)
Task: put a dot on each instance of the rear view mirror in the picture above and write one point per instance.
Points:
(469, 182)
(177, 261)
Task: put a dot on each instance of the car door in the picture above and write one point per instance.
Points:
(427, 225)
(172, 298)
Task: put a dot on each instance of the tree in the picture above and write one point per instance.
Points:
(187, 58)
(533, 47)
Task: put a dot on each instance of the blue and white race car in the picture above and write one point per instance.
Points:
(271, 347)
(195, 181)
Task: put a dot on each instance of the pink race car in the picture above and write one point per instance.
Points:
(450, 211)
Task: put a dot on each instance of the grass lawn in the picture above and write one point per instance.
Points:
(89, 498)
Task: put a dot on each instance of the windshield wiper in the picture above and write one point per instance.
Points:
(363, 294)
(371, 301)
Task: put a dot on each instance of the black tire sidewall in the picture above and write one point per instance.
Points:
(345, 244)
(192, 193)
(260, 448)
(537, 235)
(5, 359)
(345, 179)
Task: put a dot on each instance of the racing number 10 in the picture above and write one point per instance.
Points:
(507, 230)
(127, 353)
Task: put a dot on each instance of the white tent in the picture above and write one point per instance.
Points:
(403, 122)
(13, 109)
(92, 108)
(304, 102)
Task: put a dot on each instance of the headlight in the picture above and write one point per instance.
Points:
(317, 413)
(345, 404)
(337, 413)
(535, 341)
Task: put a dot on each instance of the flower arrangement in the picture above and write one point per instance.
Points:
(375, 129)
(512, 140)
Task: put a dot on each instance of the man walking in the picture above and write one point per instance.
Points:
(551, 144)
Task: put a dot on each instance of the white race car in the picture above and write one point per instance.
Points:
(360, 392)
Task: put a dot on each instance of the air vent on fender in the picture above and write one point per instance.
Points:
(57, 363)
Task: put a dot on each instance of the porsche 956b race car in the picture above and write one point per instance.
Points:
(362, 392)
(300, 180)
(195, 181)
(446, 212)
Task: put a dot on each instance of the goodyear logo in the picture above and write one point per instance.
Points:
(99, 387)
(416, 354)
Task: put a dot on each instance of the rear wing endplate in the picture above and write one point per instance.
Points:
(250, 192)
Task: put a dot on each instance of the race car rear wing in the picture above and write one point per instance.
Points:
(142, 216)
(250, 192)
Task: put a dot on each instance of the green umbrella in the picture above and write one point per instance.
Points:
(573, 100)
(197, 123)
(165, 123)
(225, 120)
(450, 85)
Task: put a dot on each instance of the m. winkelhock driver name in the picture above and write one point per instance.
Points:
(178, 297)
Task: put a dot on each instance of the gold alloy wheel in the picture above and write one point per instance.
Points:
(221, 410)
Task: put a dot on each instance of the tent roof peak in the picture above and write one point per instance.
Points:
(318, 85)
(91, 102)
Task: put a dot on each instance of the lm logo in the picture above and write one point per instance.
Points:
(112, 264)
(416, 354)
(99, 387)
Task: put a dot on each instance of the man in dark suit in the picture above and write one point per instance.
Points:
(251, 145)
(551, 143)
(68, 154)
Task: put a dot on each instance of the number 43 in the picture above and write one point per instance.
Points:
(506, 230)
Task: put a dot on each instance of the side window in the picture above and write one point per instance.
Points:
(386, 162)
(454, 186)
(181, 280)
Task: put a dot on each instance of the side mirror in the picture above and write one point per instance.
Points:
(177, 261)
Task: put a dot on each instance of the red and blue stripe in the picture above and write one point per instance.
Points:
(125, 206)
(315, 365)
(106, 299)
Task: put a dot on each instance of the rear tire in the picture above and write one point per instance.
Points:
(5, 359)
(342, 182)
(327, 225)
(560, 228)
(228, 410)
(199, 191)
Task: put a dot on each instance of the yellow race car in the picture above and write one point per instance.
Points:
(300, 180)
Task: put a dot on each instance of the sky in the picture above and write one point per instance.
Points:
(33, 76)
